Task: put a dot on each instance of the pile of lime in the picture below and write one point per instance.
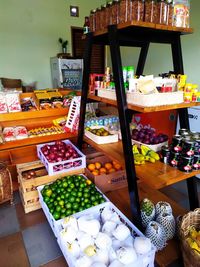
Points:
(70, 194)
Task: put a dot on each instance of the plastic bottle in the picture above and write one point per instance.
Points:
(86, 26)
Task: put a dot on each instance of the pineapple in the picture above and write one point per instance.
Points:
(163, 206)
(168, 222)
(156, 233)
(147, 211)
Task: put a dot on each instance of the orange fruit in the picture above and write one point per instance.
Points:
(91, 167)
(108, 165)
(97, 165)
(102, 170)
(112, 170)
(95, 172)
(117, 166)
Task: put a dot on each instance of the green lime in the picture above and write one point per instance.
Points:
(58, 208)
(58, 198)
(56, 215)
(88, 205)
(63, 210)
(68, 205)
(71, 199)
(65, 184)
(92, 198)
(86, 195)
(48, 192)
(78, 199)
(75, 206)
(62, 196)
(61, 203)
(79, 194)
(67, 194)
(46, 199)
(95, 203)
(62, 216)
(86, 200)
(55, 203)
(68, 212)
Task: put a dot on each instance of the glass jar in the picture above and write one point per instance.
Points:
(115, 11)
(170, 11)
(98, 13)
(137, 10)
(123, 7)
(151, 11)
(6, 192)
(102, 17)
(162, 12)
(93, 20)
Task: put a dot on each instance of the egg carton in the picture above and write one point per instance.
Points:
(62, 166)
(56, 225)
(145, 260)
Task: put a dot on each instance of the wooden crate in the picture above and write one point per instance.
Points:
(27, 187)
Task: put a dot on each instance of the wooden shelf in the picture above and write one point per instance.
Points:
(145, 109)
(15, 116)
(149, 26)
(157, 175)
(35, 140)
(121, 199)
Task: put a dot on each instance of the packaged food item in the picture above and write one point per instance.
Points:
(3, 105)
(60, 121)
(181, 13)
(20, 132)
(57, 102)
(9, 133)
(28, 104)
(45, 104)
(13, 102)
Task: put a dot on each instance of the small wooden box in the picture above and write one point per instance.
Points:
(28, 187)
(105, 182)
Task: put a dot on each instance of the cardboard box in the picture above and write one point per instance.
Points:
(106, 182)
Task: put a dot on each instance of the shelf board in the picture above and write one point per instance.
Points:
(35, 140)
(121, 199)
(145, 109)
(147, 25)
(157, 175)
(15, 116)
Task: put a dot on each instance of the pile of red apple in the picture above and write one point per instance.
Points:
(59, 151)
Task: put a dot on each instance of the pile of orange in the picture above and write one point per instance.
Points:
(98, 168)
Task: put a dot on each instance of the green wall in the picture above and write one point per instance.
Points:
(29, 32)
(159, 57)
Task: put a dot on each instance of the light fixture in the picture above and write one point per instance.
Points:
(74, 11)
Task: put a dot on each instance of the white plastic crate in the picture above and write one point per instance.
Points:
(113, 138)
(56, 224)
(146, 100)
(146, 260)
(156, 147)
(62, 166)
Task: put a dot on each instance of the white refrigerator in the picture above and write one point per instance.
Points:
(66, 73)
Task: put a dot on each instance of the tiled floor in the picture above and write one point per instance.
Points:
(27, 239)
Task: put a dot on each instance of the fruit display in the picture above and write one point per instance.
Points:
(59, 151)
(60, 156)
(102, 237)
(146, 154)
(147, 135)
(101, 135)
(99, 131)
(193, 239)
(70, 194)
(159, 222)
(98, 168)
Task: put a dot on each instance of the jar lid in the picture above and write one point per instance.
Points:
(177, 137)
(93, 11)
(188, 140)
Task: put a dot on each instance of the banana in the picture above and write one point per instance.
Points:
(146, 151)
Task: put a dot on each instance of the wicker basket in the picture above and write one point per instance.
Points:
(6, 189)
(190, 257)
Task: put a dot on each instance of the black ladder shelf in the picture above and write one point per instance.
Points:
(134, 36)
